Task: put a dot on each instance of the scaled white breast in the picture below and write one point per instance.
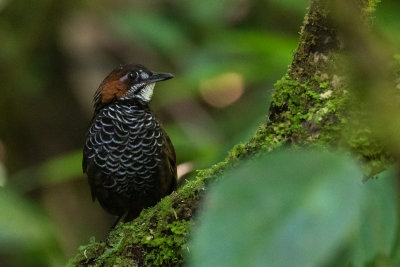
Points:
(147, 92)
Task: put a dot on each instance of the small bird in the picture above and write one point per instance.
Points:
(128, 157)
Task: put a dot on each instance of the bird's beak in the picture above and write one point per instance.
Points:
(160, 76)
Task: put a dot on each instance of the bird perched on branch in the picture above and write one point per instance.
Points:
(129, 159)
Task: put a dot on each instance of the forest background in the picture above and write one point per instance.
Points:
(226, 57)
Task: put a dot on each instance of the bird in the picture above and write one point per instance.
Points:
(128, 157)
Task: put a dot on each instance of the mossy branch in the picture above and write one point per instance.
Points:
(310, 106)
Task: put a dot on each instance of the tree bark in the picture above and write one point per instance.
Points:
(310, 105)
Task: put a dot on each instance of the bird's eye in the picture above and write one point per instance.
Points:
(133, 75)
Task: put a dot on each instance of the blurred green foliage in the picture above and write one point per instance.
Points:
(55, 170)
(54, 55)
(297, 208)
(26, 234)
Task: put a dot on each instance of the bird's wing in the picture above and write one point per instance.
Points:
(171, 161)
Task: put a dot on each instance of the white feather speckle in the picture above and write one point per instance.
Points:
(144, 75)
(147, 92)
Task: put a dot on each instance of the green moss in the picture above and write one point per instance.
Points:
(88, 252)
(364, 145)
(237, 151)
(321, 112)
(302, 112)
(166, 246)
(370, 7)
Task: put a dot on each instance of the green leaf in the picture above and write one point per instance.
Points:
(378, 219)
(284, 209)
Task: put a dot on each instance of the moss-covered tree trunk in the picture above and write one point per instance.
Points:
(309, 106)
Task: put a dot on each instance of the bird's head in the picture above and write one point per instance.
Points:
(129, 82)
